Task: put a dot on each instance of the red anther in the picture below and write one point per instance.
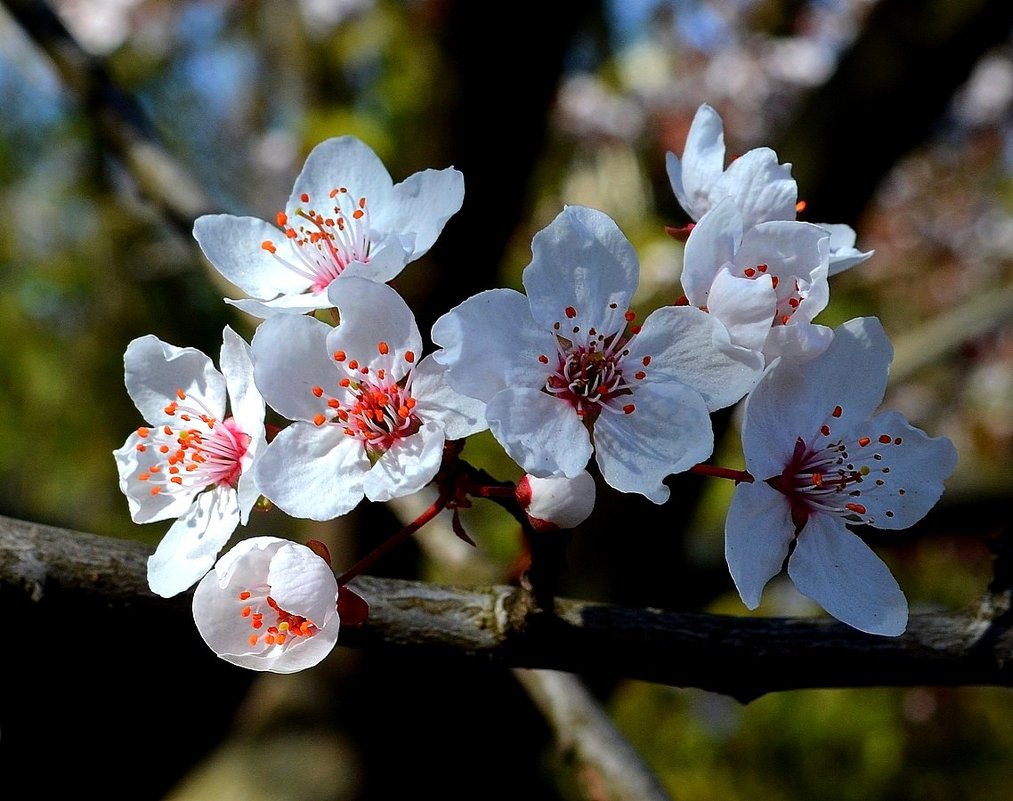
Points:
(628, 408)
(857, 508)
(749, 272)
(384, 348)
(304, 198)
(773, 281)
(885, 439)
(646, 360)
(318, 391)
(362, 202)
(630, 316)
(353, 364)
(825, 431)
(339, 355)
(409, 356)
(570, 312)
(640, 375)
(680, 233)
(761, 267)
(817, 479)
(635, 329)
(897, 441)
(838, 411)
(543, 358)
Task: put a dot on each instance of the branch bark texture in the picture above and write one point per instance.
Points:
(738, 656)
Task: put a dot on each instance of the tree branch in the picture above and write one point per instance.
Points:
(741, 657)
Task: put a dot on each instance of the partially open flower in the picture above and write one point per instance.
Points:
(269, 604)
(555, 503)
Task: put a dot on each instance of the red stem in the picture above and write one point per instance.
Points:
(737, 476)
(387, 545)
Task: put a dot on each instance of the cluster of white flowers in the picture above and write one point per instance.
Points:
(559, 374)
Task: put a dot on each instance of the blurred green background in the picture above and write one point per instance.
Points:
(898, 117)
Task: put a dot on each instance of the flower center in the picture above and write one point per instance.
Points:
(272, 625)
(371, 407)
(201, 452)
(589, 369)
(837, 475)
(322, 243)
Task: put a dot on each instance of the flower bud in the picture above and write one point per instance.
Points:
(555, 503)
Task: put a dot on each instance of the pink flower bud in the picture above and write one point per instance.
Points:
(555, 503)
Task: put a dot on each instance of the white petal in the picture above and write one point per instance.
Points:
(343, 162)
(407, 466)
(836, 569)
(244, 399)
(557, 502)
(424, 202)
(234, 246)
(155, 370)
(799, 342)
(490, 343)
(145, 507)
(703, 160)
(745, 306)
(541, 433)
(189, 548)
(669, 431)
(762, 188)
(581, 261)
(458, 415)
(796, 400)
(303, 583)
(693, 348)
(302, 303)
(843, 253)
(386, 259)
(907, 480)
(371, 314)
(711, 244)
(313, 472)
(788, 248)
(290, 357)
(758, 534)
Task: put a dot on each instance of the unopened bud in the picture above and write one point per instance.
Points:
(555, 503)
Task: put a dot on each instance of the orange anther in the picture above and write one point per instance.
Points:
(319, 419)
(404, 412)
(384, 348)
(253, 639)
(163, 448)
(800, 207)
(353, 364)
(817, 479)
(144, 476)
(176, 480)
(269, 639)
(357, 214)
(143, 432)
(334, 403)
(268, 245)
(155, 490)
(282, 219)
(290, 233)
(409, 356)
(318, 391)
(280, 639)
(339, 355)
(362, 202)
(247, 611)
(141, 447)
(857, 508)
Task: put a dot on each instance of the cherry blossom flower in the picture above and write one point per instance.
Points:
(822, 462)
(554, 503)
(765, 283)
(565, 373)
(370, 419)
(760, 187)
(192, 461)
(345, 217)
(269, 604)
